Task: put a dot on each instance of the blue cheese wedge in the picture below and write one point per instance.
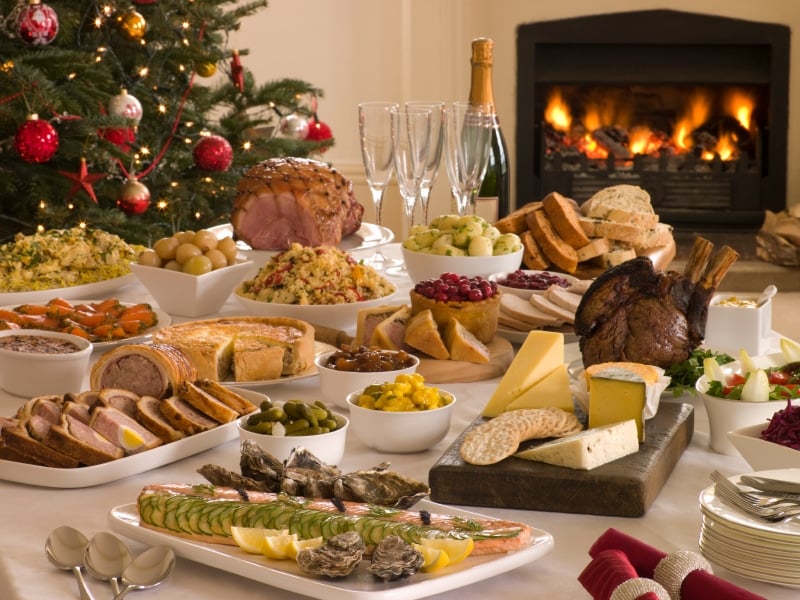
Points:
(587, 449)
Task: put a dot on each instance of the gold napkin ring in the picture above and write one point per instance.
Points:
(631, 589)
(675, 567)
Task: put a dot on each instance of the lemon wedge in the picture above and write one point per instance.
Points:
(251, 539)
(790, 349)
(457, 549)
(434, 559)
(297, 546)
(277, 546)
(713, 371)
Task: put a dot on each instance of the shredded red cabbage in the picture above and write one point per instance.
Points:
(784, 427)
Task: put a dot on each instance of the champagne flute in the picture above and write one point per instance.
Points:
(411, 129)
(377, 153)
(467, 135)
(434, 152)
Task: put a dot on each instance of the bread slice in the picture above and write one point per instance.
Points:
(533, 256)
(516, 221)
(522, 310)
(596, 247)
(544, 304)
(463, 345)
(206, 403)
(422, 333)
(617, 256)
(556, 249)
(237, 402)
(658, 236)
(369, 318)
(563, 215)
(148, 413)
(625, 197)
(390, 333)
(183, 417)
(563, 298)
(616, 232)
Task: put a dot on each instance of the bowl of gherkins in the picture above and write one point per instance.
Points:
(281, 427)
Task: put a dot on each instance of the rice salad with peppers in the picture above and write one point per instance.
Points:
(62, 258)
(315, 275)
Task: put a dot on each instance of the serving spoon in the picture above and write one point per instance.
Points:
(106, 558)
(147, 570)
(65, 548)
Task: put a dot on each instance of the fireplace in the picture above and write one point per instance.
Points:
(693, 108)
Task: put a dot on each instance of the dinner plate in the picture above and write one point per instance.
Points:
(163, 321)
(360, 585)
(129, 465)
(87, 290)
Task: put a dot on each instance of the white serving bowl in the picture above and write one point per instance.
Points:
(32, 374)
(337, 316)
(422, 265)
(763, 455)
(727, 415)
(525, 293)
(188, 295)
(328, 447)
(400, 432)
(336, 385)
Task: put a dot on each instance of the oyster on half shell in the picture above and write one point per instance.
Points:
(380, 486)
(394, 558)
(337, 557)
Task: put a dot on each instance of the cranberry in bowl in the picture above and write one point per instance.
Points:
(524, 283)
(35, 362)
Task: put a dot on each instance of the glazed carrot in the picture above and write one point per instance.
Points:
(79, 331)
(133, 327)
(32, 309)
(62, 302)
(92, 320)
(139, 312)
(110, 305)
(9, 315)
(39, 322)
(109, 331)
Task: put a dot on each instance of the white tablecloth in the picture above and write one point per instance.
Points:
(29, 513)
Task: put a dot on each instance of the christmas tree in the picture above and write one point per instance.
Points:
(135, 116)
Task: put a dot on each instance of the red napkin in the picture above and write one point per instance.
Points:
(698, 585)
(606, 572)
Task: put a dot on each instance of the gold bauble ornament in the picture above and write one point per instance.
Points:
(132, 25)
(205, 69)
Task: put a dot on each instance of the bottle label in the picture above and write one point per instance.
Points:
(486, 207)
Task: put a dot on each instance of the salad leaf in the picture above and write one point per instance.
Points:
(685, 374)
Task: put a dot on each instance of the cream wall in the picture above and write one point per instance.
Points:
(358, 50)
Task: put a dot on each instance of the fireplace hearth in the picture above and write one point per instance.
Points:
(693, 108)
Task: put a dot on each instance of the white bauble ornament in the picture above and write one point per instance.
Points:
(294, 127)
(125, 105)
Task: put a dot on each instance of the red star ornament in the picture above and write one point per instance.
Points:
(83, 181)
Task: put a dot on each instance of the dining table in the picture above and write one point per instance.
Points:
(671, 523)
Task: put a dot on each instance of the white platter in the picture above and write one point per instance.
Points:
(163, 321)
(360, 585)
(88, 290)
(525, 293)
(124, 467)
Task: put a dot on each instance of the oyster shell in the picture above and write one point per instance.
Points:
(261, 466)
(380, 486)
(217, 475)
(394, 558)
(338, 557)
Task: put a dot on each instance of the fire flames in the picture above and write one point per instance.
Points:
(706, 125)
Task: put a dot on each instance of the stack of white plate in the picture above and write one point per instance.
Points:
(748, 546)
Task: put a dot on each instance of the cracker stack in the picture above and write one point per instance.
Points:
(613, 226)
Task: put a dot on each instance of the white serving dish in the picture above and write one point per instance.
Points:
(134, 464)
(762, 454)
(335, 385)
(423, 265)
(336, 316)
(188, 295)
(523, 293)
(87, 290)
(400, 432)
(30, 374)
(731, 328)
(360, 585)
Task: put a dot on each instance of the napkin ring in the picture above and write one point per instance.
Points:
(675, 567)
(633, 588)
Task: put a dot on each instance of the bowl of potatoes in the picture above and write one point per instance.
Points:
(191, 273)
(467, 245)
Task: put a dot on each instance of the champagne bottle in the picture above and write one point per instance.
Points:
(494, 197)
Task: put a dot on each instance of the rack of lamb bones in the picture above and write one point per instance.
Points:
(632, 312)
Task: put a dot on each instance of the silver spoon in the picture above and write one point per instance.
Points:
(147, 570)
(106, 558)
(64, 548)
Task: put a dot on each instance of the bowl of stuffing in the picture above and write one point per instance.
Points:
(321, 285)
(35, 362)
(401, 416)
(352, 368)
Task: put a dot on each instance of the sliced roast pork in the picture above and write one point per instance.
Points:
(281, 201)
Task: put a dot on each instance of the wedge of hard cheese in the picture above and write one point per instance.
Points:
(552, 390)
(587, 449)
(617, 394)
(539, 355)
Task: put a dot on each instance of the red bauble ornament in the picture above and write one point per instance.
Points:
(121, 137)
(213, 153)
(125, 105)
(134, 198)
(318, 131)
(37, 24)
(36, 140)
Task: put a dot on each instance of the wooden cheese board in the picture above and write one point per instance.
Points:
(625, 487)
(501, 353)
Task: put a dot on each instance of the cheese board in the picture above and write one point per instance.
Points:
(625, 487)
(501, 353)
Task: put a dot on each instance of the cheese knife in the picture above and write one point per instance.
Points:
(767, 484)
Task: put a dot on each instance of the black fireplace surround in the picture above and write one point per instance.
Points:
(659, 48)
